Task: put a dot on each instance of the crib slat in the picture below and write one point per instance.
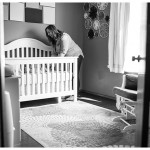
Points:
(53, 87)
(22, 52)
(31, 52)
(22, 80)
(70, 78)
(43, 78)
(48, 78)
(75, 75)
(27, 80)
(13, 53)
(9, 54)
(38, 78)
(35, 52)
(18, 53)
(57, 77)
(61, 79)
(27, 52)
(66, 87)
(17, 70)
(33, 79)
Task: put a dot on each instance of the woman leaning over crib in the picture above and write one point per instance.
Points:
(64, 46)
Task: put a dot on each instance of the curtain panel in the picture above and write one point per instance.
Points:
(136, 38)
(118, 31)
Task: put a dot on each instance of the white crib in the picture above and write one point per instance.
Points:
(41, 75)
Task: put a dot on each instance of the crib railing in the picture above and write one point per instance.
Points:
(43, 77)
(27, 47)
(24, 52)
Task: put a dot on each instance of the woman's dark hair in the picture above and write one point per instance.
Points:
(56, 34)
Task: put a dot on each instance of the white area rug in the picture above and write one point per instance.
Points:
(74, 124)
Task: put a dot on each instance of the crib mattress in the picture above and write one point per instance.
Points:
(44, 78)
(27, 83)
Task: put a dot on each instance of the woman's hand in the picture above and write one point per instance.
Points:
(61, 55)
(54, 54)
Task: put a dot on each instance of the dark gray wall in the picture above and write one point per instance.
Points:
(97, 77)
(15, 30)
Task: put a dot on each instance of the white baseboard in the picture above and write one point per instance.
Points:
(93, 93)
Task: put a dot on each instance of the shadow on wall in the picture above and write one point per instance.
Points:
(15, 30)
(33, 34)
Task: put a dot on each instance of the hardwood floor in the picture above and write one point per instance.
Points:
(27, 141)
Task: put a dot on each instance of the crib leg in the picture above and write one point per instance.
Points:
(75, 98)
(59, 99)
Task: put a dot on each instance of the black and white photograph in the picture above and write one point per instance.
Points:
(74, 74)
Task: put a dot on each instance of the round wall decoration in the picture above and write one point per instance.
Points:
(102, 6)
(88, 23)
(93, 12)
(86, 15)
(96, 24)
(107, 18)
(86, 7)
(104, 30)
(101, 15)
(96, 19)
(96, 33)
(90, 34)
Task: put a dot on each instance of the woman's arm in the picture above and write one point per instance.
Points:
(64, 46)
(54, 53)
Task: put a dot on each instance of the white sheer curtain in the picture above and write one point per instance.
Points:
(136, 37)
(118, 30)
